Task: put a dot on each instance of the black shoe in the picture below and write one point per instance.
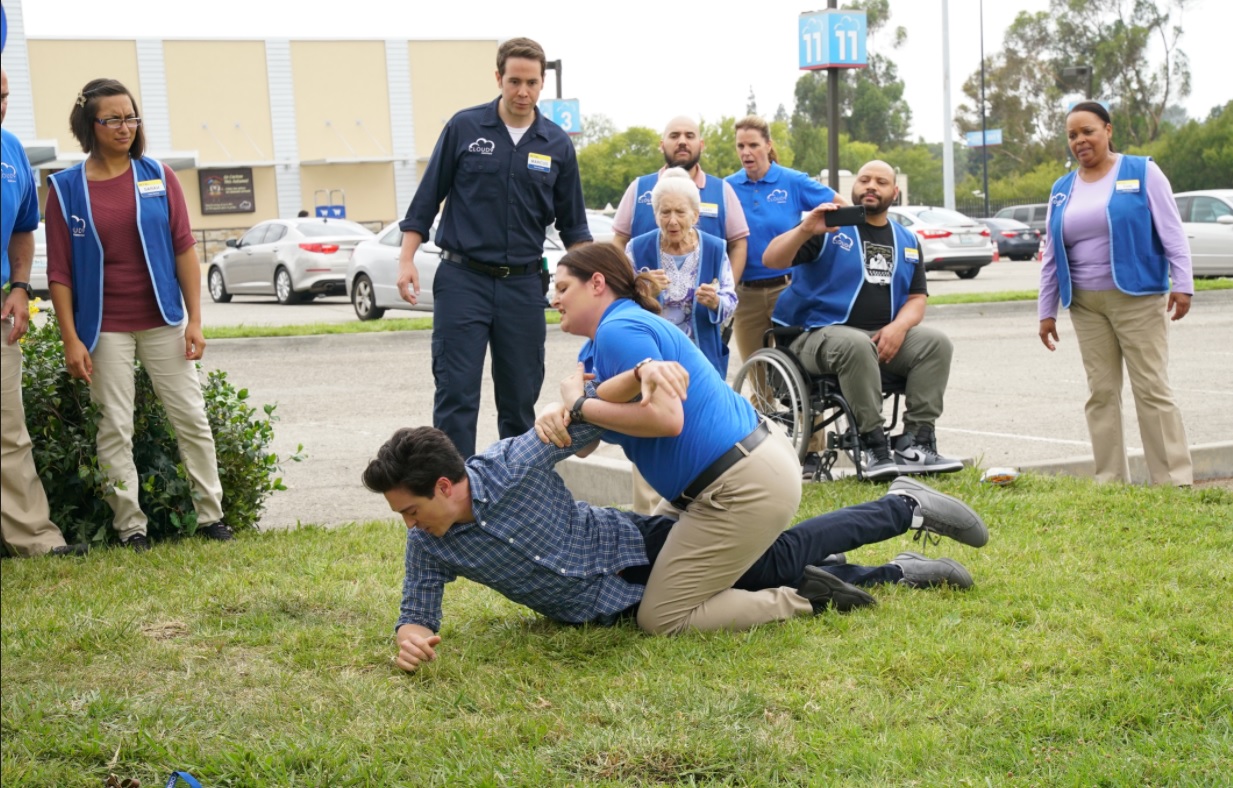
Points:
(70, 549)
(138, 543)
(919, 453)
(877, 457)
(824, 590)
(809, 468)
(218, 531)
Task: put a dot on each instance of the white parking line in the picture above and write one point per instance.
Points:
(1014, 436)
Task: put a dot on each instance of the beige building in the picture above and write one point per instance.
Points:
(293, 123)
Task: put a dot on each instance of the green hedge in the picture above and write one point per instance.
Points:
(63, 426)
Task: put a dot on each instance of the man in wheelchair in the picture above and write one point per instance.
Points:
(859, 292)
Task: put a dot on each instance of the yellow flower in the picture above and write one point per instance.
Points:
(34, 306)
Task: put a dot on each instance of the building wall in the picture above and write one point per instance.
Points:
(60, 69)
(437, 97)
(341, 99)
(368, 189)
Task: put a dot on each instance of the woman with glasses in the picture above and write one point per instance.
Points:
(126, 283)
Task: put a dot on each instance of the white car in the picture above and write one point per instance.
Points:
(949, 241)
(292, 259)
(372, 274)
(1208, 218)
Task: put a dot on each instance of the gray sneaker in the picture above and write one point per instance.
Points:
(916, 454)
(921, 572)
(942, 514)
(824, 590)
(879, 465)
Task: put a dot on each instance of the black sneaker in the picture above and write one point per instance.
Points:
(138, 543)
(218, 531)
(809, 468)
(824, 590)
(919, 453)
(70, 549)
(877, 457)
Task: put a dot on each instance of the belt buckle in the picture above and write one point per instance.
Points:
(501, 272)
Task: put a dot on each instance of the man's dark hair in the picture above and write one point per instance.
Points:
(521, 47)
(85, 109)
(413, 460)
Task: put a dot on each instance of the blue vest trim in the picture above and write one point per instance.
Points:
(644, 215)
(153, 226)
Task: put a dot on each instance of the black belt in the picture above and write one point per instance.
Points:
(725, 461)
(495, 271)
(774, 281)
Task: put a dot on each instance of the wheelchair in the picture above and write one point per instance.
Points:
(783, 392)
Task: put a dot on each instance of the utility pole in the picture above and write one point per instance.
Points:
(832, 120)
(984, 142)
(948, 145)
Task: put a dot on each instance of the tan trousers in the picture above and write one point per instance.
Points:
(646, 499)
(25, 523)
(752, 318)
(1113, 328)
(717, 538)
(113, 387)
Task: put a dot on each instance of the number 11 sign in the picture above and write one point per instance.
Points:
(833, 38)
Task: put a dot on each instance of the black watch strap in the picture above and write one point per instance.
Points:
(22, 286)
(575, 413)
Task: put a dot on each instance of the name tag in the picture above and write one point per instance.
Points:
(151, 188)
(1130, 186)
(911, 255)
(539, 162)
(710, 209)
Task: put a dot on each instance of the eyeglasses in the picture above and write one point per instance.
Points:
(115, 123)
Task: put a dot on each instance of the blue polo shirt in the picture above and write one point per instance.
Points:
(19, 199)
(716, 418)
(773, 206)
(501, 197)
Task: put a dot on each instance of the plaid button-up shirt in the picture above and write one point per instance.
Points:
(530, 540)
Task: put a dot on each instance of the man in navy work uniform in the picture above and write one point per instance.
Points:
(505, 519)
(721, 214)
(508, 174)
(861, 291)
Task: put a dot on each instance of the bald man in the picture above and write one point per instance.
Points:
(860, 292)
(721, 214)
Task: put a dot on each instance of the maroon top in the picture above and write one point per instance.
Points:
(128, 294)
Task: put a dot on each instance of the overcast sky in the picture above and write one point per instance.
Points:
(640, 62)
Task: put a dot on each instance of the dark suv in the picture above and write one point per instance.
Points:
(1031, 215)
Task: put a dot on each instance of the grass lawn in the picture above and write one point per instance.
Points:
(1092, 651)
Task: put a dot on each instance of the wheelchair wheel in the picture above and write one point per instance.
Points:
(774, 385)
(842, 437)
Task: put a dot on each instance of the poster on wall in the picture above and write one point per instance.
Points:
(226, 191)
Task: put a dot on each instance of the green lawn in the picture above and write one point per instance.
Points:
(1092, 651)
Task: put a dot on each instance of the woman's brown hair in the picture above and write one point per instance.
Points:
(618, 272)
(754, 123)
(82, 120)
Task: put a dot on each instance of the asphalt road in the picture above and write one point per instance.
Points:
(1009, 400)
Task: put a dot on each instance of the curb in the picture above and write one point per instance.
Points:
(603, 481)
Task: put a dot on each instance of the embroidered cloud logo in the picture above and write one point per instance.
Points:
(1058, 199)
(777, 196)
(78, 226)
(645, 198)
(844, 241)
(483, 146)
(8, 171)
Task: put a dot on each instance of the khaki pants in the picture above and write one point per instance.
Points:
(717, 538)
(113, 388)
(646, 499)
(752, 318)
(25, 523)
(1113, 328)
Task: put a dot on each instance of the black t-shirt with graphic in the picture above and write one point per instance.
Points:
(872, 309)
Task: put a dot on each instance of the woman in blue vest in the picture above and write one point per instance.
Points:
(1116, 255)
(126, 284)
(733, 482)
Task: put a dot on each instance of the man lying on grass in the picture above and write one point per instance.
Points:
(504, 519)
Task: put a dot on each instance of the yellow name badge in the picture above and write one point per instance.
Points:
(1130, 186)
(151, 188)
(709, 209)
(910, 254)
(539, 162)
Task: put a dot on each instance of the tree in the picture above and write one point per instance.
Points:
(595, 128)
(1198, 155)
(610, 165)
(751, 103)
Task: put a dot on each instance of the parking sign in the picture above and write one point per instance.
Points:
(566, 113)
(832, 38)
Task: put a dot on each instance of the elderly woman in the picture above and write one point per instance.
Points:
(126, 284)
(697, 291)
(1115, 242)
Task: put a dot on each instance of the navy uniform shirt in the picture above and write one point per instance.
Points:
(501, 198)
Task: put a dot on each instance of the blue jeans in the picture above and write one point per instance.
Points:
(807, 543)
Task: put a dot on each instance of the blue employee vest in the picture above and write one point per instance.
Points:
(707, 333)
(823, 291)
(154, 226)
(1136, 252)
(712, 219)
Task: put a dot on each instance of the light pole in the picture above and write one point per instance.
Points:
(984, 142)
(555, 65)
(832, 120)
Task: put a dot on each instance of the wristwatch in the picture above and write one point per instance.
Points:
(575, 413)
(22, 286)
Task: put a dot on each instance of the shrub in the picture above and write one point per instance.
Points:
(63, 426)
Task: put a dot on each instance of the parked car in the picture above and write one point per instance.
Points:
(1015, 240)
(949, 240)
(1033, 215)
(38, 271)
(292, 259)
(1208, 218)
(372, 273)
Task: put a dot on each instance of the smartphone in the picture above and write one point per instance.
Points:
(846, 217)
